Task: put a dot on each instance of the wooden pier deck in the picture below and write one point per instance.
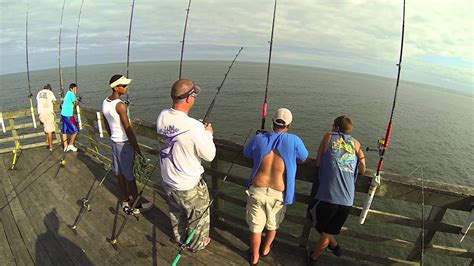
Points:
(37, 209)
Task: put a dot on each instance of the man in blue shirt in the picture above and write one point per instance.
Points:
(69, 126)
(340, 158)
(272, 184)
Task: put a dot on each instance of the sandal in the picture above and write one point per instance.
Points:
(264, 255)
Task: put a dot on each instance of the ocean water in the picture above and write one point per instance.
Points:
(433, 128)
(432, 133)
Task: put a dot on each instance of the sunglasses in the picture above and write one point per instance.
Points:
(190, 93)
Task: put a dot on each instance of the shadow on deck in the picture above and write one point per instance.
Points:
(39, 202)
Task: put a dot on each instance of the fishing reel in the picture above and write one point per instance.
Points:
(260, 131)
(380, 146)
(85, 203)
(79, 98)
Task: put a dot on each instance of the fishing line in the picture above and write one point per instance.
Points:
(61, 81)
(184, 37)
(264, 107)
(211, 106)
(190, 237)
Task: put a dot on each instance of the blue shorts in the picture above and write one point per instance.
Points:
(123, 155)
(69, 125)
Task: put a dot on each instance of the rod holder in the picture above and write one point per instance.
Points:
(99, 124)
(467, 224)
(2, 122)
(374, 184)
(78, 110)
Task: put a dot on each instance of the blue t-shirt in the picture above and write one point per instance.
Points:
(338, 171)
(291, 149)
(68, 104)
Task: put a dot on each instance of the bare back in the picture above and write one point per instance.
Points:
(271, 172)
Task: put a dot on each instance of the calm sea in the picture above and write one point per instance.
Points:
(432, 128)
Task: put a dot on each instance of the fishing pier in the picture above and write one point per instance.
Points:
(40, 198)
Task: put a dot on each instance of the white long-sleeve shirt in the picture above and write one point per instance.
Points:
(186, 144)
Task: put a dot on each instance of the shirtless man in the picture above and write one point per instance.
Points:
(272, 183)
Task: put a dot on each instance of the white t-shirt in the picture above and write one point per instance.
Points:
(45, 99)
(117, 132)
(186, 143)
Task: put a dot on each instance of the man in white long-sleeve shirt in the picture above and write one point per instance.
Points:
(186, 142)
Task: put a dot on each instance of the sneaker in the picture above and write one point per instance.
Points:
(337, 251)
(71, 148)
(125, 206)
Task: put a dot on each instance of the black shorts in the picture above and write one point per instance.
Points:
(328, 217)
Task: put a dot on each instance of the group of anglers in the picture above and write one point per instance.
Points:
(271, 186)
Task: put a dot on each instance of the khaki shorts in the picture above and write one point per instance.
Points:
(265, 209)
(48, 122)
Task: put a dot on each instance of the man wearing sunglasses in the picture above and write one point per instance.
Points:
(124, 143)
(186, 142)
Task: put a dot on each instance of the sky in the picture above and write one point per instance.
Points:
(351, 35)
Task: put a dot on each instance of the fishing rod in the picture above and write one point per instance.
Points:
(61, 81)
(383, 142)
(30, 95)
(86, 201)
(182, 41)
(127, 102)
(79, 98)
(129, 211)
(191, 235)
(211, 106)
(77, 40)
(264, 108)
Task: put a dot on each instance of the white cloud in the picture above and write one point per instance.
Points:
(348, 35)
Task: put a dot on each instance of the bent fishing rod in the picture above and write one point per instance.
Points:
(79, 98)
(383, 142)
(184, 37)
(77, 41)
(211, 106)
(127, 102)
(191, 235)
(61, 81)
(30, 95)
(264, 107)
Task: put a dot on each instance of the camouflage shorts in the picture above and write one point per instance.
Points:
(186, 208)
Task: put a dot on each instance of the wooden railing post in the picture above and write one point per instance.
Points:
(436, 215)
(216, 164)
(93, 137)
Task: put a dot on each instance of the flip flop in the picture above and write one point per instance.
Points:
(264, 255)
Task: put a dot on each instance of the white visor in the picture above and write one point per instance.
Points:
(121, 81)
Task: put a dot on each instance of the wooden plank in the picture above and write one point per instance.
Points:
(347, 253)
(17, 245)
(407, 221)
(436, 215)
(61, 239)
(25, 136)
(35, 249)
(6, 256)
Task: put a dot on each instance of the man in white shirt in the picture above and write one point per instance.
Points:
(186, 142)
(45, 99)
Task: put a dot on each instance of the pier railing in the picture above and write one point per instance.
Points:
(392, 233)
